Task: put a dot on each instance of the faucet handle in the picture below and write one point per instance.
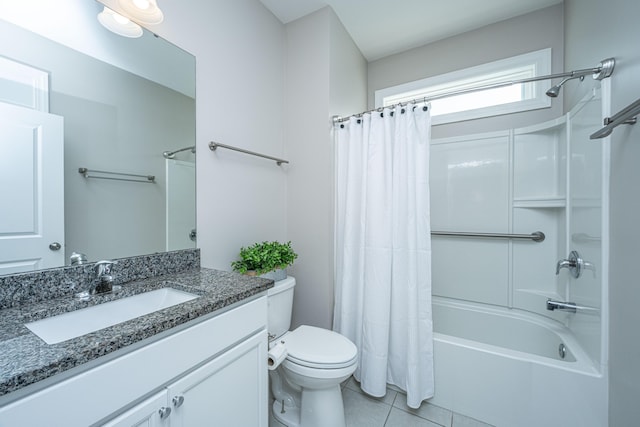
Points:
(564, 263)
(590, 266)
(574, 263)
(104, 267)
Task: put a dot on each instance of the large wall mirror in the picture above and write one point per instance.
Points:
(86, 142)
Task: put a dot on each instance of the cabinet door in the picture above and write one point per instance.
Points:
(152, 412)
(230, 390)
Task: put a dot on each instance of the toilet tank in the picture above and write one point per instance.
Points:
(280, 304)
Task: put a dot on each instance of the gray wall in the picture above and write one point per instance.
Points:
(594, 31)
(522, 34)
(326, 76)
(240, 60)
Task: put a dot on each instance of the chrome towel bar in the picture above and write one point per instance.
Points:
(117, 176)
(626, 116)
(536, 236)
(172, 154)
(214, 145)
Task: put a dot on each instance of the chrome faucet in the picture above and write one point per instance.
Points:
(102, 283)
(104, 279)
(574, 263)
(77, 258)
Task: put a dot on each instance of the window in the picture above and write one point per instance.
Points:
(490, 102)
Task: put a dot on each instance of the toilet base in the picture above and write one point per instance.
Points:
(322, 407)
(291, 416)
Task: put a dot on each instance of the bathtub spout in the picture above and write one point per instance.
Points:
(571, 307)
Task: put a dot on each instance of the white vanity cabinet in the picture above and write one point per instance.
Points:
(149, 413)
(215, 369)
(227, 391)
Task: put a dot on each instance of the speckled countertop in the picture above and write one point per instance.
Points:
(25, 359)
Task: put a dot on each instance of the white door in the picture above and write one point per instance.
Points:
(31, 190)
(181, 204)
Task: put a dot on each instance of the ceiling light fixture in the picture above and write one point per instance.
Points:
(119, 24)
(143, 11)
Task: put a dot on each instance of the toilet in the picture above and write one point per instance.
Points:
(306, 384)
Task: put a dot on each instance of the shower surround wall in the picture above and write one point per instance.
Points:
(501, 182)
(546, 177)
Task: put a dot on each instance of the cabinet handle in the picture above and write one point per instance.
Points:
(164, 412)
(178, 401)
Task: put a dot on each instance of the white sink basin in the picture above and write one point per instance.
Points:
(80, 322)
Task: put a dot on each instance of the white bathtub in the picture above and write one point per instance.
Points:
(503, 367)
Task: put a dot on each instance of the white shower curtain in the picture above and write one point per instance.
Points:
(383, 249)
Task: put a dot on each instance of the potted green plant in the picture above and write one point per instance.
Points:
(266, 259)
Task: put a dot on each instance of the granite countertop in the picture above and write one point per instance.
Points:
(25, 359)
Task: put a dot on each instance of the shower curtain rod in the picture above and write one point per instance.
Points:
(602, 71)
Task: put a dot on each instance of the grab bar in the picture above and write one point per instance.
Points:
(148, 179)
(536, 236)
(214, 145)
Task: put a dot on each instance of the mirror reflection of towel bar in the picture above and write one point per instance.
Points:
(536, 236)
(149, 179)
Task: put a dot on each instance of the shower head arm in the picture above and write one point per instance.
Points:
(602, 71)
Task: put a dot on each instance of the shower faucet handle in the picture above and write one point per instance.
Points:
(574, 263)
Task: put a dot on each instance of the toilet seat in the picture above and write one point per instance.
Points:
(319, 348)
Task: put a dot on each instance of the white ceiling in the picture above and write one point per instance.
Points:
(384, 27)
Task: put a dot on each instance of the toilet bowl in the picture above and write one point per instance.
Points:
(306, 384)
(317, 361)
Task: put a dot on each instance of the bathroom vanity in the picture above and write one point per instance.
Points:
(200, 362)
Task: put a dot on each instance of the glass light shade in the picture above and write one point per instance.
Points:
(143, 11)
(119, 24)
(142, 4)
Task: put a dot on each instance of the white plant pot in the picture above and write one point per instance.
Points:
(275, 275)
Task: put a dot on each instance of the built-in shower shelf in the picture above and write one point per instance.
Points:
(586, 202)
(547, 202)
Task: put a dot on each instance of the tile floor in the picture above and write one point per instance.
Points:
(362, 410)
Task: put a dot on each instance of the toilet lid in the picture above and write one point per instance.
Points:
(319, 348)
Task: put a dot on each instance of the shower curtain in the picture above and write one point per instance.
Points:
(383, 248)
